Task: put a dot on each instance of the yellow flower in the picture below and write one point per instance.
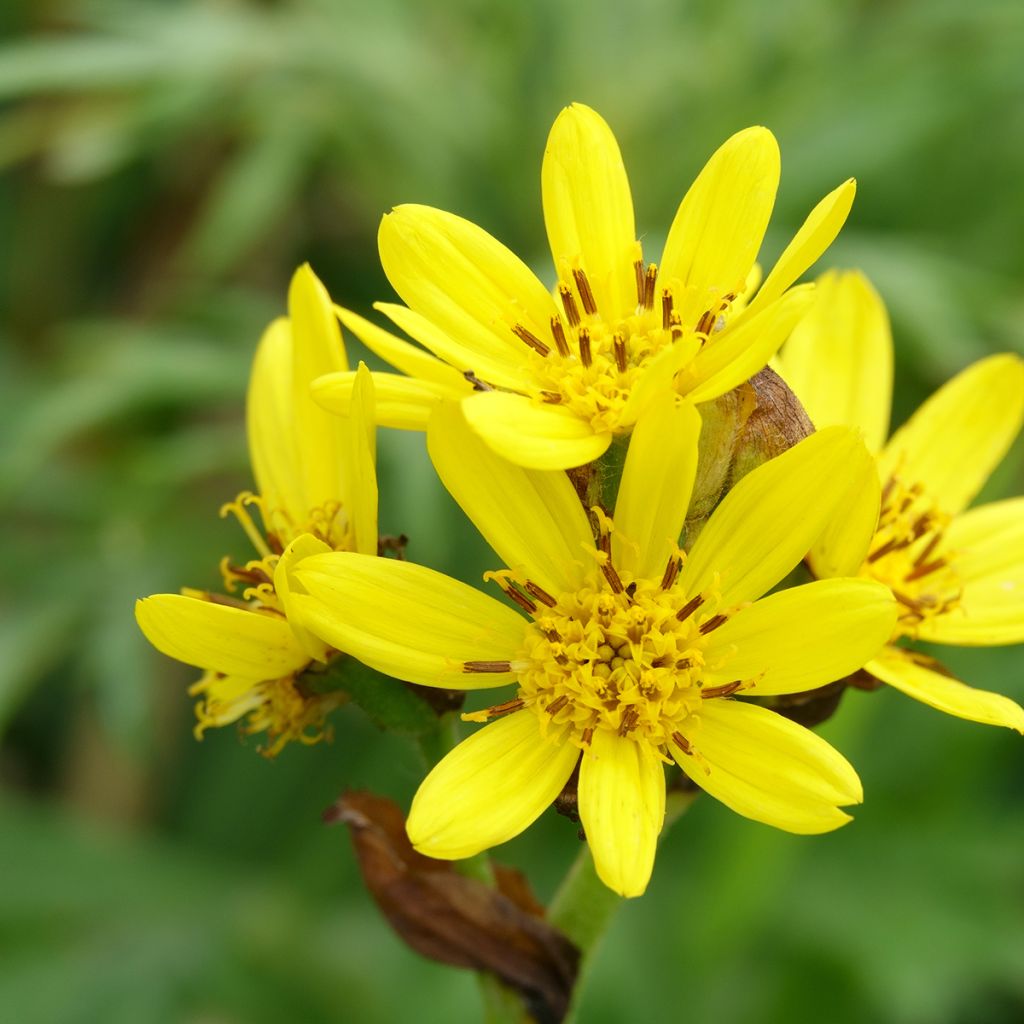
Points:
(317, 492)
(547, 380)
(629, 651)
(957, 575)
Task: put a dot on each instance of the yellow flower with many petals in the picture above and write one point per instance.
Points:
(317, 492)
(629, 651)
(549, 379)
(958, 575)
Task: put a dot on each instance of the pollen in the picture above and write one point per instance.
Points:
(909, 554)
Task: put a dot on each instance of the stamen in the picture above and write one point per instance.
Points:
(671, 572)
(486, 666)
(478, 384)
(684, 663)
(666, 309)
(894, 544)
(649, 280)
(238, 509)
(638, 269)
(542, 595)
(619, 348)
(721, 691)
(612, 576)
(713, 623)
(514, 594)
(928, 549)
(584, 341)
(629, 719)
(583, 287)
(531, 339)
(920, 571)
(572, 313)
(557, 704)
(551, 397)
(682, 742)
(706, 322)
(494, 712)
(588, 735)
(689, 608)
(887, 489)
(558, 333)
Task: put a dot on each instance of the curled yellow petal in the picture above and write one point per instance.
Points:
(399, 402)
(302, 547)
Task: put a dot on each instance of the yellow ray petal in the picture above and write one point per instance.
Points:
(803, 637)
(622, 808)
(406, 620)
(718, 229)
(360, 480)
(769, 520)
(588, 209)
(844, 544)
(770, 769)
(464, 281)
(399, 402)
(489, 788)
(531, 434)
(955, 440)
(219, 638)
(838, 360)
(533, 519)
(301, 548)
(403, 356)
(655, 489)
(897, 668)
(657, 376)
(816, 234)
(727, 360)
(270, 425)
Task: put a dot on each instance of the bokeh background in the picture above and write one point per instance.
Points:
(163, 168)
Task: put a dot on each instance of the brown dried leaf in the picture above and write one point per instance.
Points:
(457, 920)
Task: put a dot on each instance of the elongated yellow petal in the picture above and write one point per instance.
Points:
(270, 425)
(843, 546)
(219, 638)
(360, 480)
(658, 376)
(588, 209)
(304, 546)
(533, 435)
(838, 360)
(727, 360)
(768, 768)
(802, 638)
(500, 367)
(533, 519)
(816, 234)
(718, 229)
(622, 808)
(898, 668)
(769, 520)
(316, 349)
(489, 788)
(466, 282)
(955, 440)
(406, 620)
(403, 356)
(655, 489)
(399, 402)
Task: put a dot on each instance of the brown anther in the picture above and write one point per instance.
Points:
(557, 704)
(619, 348)
(584, 341)
(682, 742)
(920, 571)
(909, 602)
(478, 384)
(486, 666)
(887, 489)
(514, 594)
(551, 636)
(666, 309)
(229, 602)
(721, 691)
(649, 282)
(713, 623)
(928, 549)
(583, 287)
(531, 339)
(612, 576)
(887, 548)
(572, 312)
(504, 709)
(588, 735)
(689, 608)
(558, 333)
(629, 719)
(706, 322)
(661, 661)
(638, 270)
(542, 595)
(684, 663)
(671, 572)
(252, 575)
(551, 397)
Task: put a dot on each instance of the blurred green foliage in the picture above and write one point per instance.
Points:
(165, 165)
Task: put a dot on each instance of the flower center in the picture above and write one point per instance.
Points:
(589, 361)
(908, 555)
(629, 659)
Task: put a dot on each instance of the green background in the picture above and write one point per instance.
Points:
(164, 168)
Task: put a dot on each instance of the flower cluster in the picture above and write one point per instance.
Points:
(630, 632)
